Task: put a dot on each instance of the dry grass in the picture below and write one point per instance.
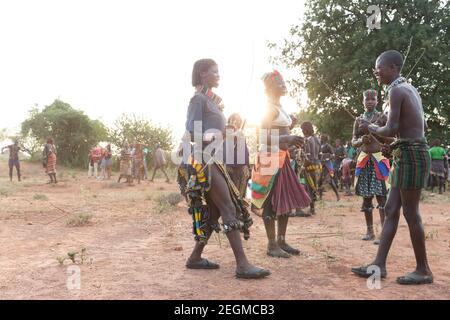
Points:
(168, 201)
(79, 220)
(42, 197)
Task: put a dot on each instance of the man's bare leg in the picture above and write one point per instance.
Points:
(381, 203)
(410, 203)
(154, 173)
(368, 214)
(167, 177)
(334, 187)
(392, 212)
(11, 172)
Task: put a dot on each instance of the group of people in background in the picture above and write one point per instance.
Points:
(48, 159)
(133, 161)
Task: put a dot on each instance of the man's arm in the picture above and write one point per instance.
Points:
(356, 140)
(393, 122)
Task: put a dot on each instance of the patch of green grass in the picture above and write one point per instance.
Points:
(42, 197)
(72, 255)
(4, 193)
(79, 220)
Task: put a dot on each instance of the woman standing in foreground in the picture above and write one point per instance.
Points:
(208, 187)
(275, 186)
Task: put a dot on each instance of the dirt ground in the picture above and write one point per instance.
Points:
(134, 251)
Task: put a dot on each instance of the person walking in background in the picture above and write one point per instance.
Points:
(14, 159)
(439, 165)
(159, 162)
(146, 152)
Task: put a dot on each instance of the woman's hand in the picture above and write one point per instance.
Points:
(366, 139)
(363, 126)
(386, 151)
(292, 140)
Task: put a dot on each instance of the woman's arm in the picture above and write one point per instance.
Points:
(195, 115)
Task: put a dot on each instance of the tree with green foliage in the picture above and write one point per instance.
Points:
(73, 131)
(133, 129)
(3, 134)
(335, 52)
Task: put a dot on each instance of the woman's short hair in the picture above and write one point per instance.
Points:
(200, 67)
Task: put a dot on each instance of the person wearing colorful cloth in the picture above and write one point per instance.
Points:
(238, 168)
(49, 160)
(107, 162)
(138, 160)
(328, 170)
(13, 160)
(204, 180)
(448, 167)
(340, 153)
(95, 157)
(126, 164)
(372, 168)
(350, 166)
(439, 165)
(275, 186)
(312, 167)
(411, 166)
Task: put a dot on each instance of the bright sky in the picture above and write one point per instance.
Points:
(107, 57)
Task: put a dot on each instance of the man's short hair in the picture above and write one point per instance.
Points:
(308, 127)
(392, 57)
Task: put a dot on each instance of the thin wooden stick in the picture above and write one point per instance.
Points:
(423, 52)
(337, 97)
(407, 53)
(66, 214)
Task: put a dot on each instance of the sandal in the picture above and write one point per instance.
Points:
(415, 278)
(202, 264)
(252, 273)
(363, 272)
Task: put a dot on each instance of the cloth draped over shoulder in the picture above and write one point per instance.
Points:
(267, 165)
(380, 164)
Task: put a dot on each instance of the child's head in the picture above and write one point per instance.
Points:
(370, 99)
